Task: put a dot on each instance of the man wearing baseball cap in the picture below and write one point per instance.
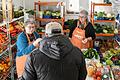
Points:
(56, 58)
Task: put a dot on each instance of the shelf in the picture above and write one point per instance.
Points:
(112, 21)
(46, 3)
(3, 52)
(45, 20)
(106, 35)
(7, 49)
(13, 20)
(102, 4)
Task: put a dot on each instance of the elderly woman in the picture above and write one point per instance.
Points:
(27, 41)
(83, 32)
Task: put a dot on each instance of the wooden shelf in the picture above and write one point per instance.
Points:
(106, 35)
(112, 21)
(45, 20)
(46, 3)
(41, 33)
(38, 5)
(101, 4)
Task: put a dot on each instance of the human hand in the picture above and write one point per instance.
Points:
(84, 41)
(89, 38)
(36, 42)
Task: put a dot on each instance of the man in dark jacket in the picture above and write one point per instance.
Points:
(56, 58)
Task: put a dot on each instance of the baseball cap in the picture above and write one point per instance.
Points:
(53, 28)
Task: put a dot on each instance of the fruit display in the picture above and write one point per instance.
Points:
(90, 53)
(98, 71)
(116, 59)
(104, 28)
(3, 42)
(104, 45)
(3, 29)
(3, 38)
(112, 56)
(116, 72)
(14, 31)
(51, 14)
(15, 28)
(4, 65)
(103, 16)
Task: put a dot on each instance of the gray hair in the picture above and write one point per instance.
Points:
(84, 12)
(29, 21)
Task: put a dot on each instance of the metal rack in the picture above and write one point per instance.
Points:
(8, 51)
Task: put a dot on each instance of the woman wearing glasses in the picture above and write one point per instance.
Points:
(27, 41)
(83, 33)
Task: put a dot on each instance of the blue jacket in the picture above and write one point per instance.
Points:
(23, 46)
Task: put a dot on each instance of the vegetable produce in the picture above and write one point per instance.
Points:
(90, 53)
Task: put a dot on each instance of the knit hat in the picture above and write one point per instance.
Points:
(53, 28)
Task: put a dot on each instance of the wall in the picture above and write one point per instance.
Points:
(84, 4)
(107, 9)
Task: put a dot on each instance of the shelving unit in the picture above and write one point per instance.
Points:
(111, 21)
(39, 4)
(13, 20)
(93, 5)
(8, 51)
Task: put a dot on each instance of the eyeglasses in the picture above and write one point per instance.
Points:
(30, 27)
(82, 16)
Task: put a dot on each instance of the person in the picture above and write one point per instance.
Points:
(56, 58)
(83, 32)
(27, 41)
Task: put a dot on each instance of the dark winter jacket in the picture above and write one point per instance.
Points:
(56, 59)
